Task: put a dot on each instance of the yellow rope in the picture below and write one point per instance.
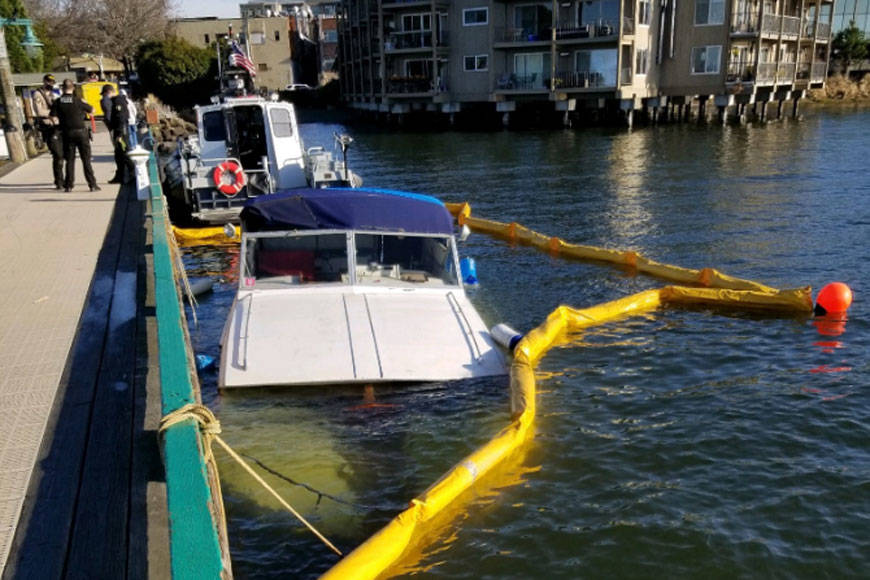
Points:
(210, 428)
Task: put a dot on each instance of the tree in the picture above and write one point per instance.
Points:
(177, 72)
(111, 27)
(18, 57)
(849, 45)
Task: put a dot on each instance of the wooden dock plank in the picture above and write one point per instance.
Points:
(100, 530)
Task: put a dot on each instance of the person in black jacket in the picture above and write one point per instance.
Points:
(118, 121)
(70, 112)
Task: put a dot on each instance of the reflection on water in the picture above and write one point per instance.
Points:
(684, 441)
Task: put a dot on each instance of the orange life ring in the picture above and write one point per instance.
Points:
(229, 178)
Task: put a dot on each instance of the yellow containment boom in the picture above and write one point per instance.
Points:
(516, 233)
(213, 236)
(383, 550)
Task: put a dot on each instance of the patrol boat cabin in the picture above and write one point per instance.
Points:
(351, 286)
(246, 147)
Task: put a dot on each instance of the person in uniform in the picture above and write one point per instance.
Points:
(70, 113)
(43, 98)
(119, 121)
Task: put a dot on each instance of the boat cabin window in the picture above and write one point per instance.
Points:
(382, 259)
(296, 259)
(213, 127)
(282, 125)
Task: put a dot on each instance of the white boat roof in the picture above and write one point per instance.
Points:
(351, 334)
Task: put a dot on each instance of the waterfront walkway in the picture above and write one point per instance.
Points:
(78, 453)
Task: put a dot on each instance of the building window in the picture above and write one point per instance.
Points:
(258, 38)
(709, 12)
(330, 36)
(207, 39)
(475, 16)
(262, 66)
(643, 12)
(416, 22)
(277, 35)
(476, 63)
(641, 59)
(705, 59)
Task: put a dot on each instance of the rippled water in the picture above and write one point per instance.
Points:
(682, 443)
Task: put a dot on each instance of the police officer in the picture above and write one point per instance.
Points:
(119, 121)
(70, 112)
(43, 98)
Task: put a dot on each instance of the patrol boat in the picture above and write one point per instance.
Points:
(351, 286)
(246, 147)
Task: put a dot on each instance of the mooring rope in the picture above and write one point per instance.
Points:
(210, 429)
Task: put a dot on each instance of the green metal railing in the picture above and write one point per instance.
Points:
(195, 547)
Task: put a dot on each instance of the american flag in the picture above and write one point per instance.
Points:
(239, 58)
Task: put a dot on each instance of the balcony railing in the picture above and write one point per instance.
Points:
(824, 31)
(744, 24)
(579, 80)
(771, 23)
(791, 25)
(766, 72)
(802, 71)
(740, 71)
(785, 72)
(414, 39)
(414, 84)
(526, 82)
(810, 29)
(521, 35)
(625, 77)
(628, 24)
(601, 30)
(817, 73)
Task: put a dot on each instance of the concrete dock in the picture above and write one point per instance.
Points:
(81, 484)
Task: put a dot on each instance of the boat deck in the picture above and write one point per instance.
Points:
(81, 490)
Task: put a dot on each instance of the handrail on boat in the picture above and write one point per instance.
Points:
(469, 330)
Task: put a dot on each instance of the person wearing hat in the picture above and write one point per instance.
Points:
(70, 112)
(43, 99)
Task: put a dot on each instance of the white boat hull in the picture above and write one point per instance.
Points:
(355, 335)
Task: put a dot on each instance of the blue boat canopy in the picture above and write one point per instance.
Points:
(344, 209)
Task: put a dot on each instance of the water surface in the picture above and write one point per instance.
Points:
(680, 443)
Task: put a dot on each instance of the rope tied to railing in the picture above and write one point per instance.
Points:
(210, 429)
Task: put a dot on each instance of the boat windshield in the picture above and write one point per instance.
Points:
(393, 259)
(296, 259)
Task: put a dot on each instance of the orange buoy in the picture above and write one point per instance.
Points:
(834, 297)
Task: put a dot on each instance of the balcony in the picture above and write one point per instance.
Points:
(740, 71)
(766, 72)
(521, 35)
(818, 71)
(413, 41)
(785, 72)
(399, 4)
(603, 30)
(580, 80)
(771, 24)
(413, 85)
(823, 32)
(744, 24)
(628, 25)
(791, 26)
(527, 82)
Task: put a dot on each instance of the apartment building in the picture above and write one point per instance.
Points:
(399, 56)
(267, 38)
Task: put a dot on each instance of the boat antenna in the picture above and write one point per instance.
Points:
(344, 142)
